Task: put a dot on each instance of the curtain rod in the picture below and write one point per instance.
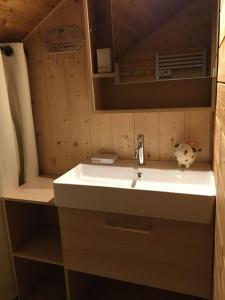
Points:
(7, 50)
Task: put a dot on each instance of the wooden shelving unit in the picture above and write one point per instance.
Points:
(45, 246)
(40, 281)
(91, 287)
(104, 75)
(35, 244)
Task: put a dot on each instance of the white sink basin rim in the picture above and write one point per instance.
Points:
(160, 190)
(199, 182)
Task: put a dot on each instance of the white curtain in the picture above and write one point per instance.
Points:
(18, 155)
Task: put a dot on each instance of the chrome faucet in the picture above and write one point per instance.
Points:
(139, 153)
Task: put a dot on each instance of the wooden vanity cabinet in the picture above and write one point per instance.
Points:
(170, 255)
(68, 254)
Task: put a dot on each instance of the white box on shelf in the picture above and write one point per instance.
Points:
(104, 60)
(107, 159)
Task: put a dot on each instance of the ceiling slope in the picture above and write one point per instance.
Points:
(19, 17)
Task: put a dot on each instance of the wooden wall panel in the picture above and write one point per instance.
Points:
(41, 109)
(217, 141)
(68, 131)
(219, 160)
(220, 105)
(102, 139)
(17, 18)
(148, 124)
(221, 66)
(123, 135)
(197, 129)
(171, 131)
(59, 110)
(222, 24)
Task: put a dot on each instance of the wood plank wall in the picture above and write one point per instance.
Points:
(17, 18)
(219, 167)
(68, 131)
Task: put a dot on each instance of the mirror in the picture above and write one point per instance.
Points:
(162, 40)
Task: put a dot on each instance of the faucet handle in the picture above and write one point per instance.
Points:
(136, 154)
(140, 139)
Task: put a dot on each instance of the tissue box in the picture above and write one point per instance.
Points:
(107, 159)
(104, 59)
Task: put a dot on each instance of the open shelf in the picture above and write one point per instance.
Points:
(34, 231)
(103, 75)
(100, 28)
(40, 281)
(86, 287)
(44, 246)
(177, 109)
(183, 93)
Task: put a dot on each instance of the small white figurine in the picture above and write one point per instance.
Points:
(186, 154)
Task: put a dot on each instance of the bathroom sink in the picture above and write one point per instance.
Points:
(99, 175)
(159, 190)
(197, 182)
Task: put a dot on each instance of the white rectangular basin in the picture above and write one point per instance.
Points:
(99, 175)
(194, 182)
(161, 190)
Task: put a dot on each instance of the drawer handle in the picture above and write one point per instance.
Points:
(127, 229)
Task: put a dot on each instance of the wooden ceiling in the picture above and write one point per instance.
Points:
(18, 17)
(135, 19)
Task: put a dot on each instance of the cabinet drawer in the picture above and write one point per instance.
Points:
(170, 255)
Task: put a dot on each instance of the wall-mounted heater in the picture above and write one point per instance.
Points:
(181, 65)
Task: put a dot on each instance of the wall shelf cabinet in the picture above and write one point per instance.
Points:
(112, 92)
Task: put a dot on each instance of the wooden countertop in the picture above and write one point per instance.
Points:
(39, 190)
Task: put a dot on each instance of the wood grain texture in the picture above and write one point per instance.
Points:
(219, 167)
(221, 205)
(123, 135)
(17, 18)
(38, 190)
(222, 25)
(220, 105)
(67, 129)
(139, 256)
(218, 261)
(217, 141)
(193, 121)
(102, 139)
(171, 131)
(221, 62)
(148, 124)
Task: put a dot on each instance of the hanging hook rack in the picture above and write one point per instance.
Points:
(7, 50)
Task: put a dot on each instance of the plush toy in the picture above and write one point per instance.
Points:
(186, 154)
